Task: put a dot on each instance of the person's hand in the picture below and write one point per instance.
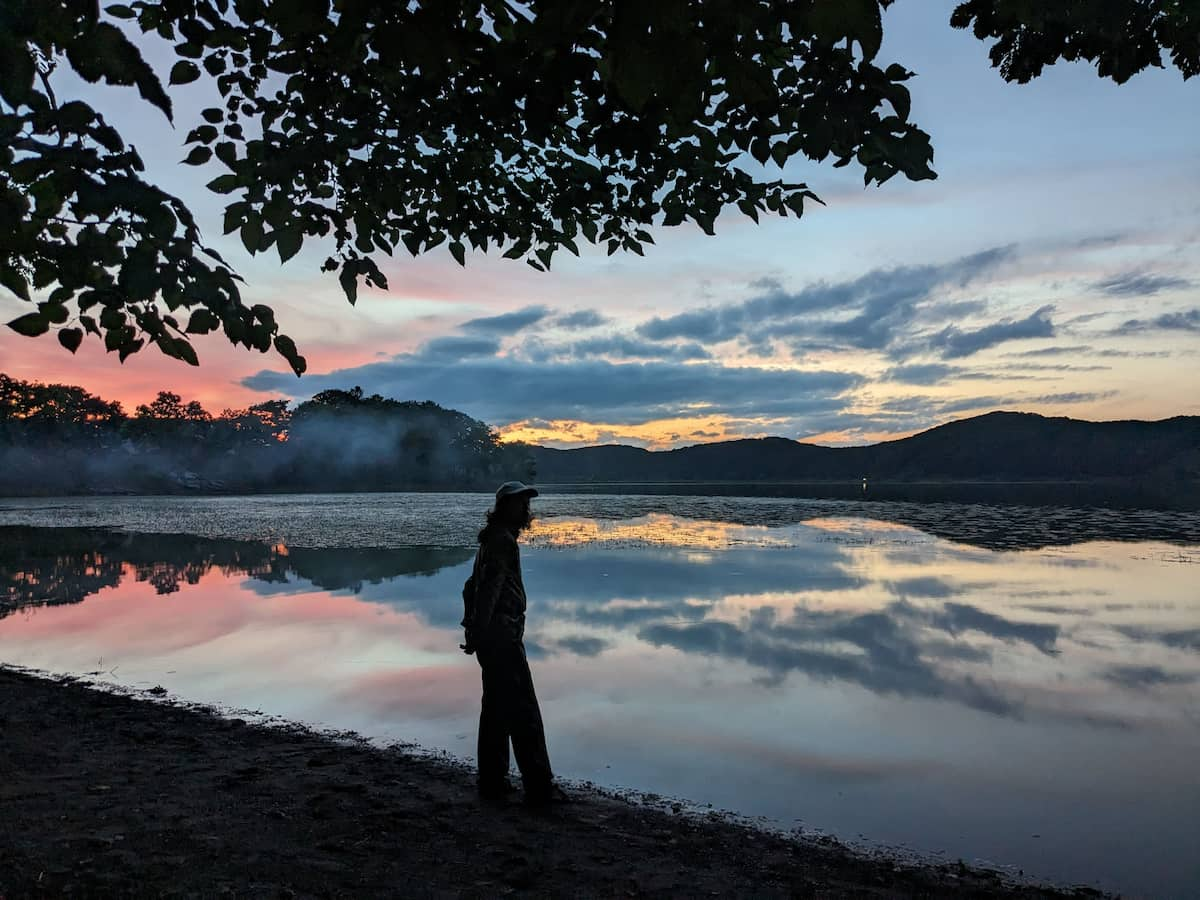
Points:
(469, 646)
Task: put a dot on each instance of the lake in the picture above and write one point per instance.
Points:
(1013, 686)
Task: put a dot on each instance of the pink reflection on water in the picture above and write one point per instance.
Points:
(133, 617)
(219, 641)
(428, 692)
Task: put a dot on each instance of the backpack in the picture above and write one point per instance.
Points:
(468, 595)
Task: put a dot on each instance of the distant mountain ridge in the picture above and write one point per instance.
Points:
(997, 446)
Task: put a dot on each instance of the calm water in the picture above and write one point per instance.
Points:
(1010, 686)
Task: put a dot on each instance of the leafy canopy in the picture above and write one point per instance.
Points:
(371, 126)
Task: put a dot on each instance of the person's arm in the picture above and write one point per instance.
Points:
(495, 567)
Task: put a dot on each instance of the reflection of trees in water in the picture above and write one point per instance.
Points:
(350, 569)
(50, 566)
(167, 561)
(38, 570)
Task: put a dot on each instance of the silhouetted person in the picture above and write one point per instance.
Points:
(494, 619)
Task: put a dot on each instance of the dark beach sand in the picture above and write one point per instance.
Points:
(108, 795)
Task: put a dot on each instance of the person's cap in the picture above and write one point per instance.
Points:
(515, 489)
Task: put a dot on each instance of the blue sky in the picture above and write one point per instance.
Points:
(1053, 267)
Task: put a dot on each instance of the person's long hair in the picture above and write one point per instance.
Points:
(499, 517)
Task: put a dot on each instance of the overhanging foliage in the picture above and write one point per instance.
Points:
(372, 127)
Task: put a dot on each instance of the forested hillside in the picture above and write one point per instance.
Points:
(61, 439)
(999, 446)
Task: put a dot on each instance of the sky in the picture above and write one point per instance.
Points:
(1053, 267)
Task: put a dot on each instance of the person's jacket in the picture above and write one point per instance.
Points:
(499, 591)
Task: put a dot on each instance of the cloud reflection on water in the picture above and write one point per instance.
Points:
(796, 664)
(823, 609)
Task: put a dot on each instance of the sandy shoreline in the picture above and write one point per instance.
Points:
(108, 795)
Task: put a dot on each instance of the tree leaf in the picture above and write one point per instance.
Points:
(227, 153)
(349, 279)
(760, 149)
(202, 321)
(204, 133)
(56, 313)
(184, 72)
(75, 115)
(252, 232)
(177, 348)
(224, 184)
(287, 349)
(288, 242)
(31, 324)
(187, 352)
(14, 281)
(129, 347)
(103, 53)
(198, 156)
(17, 69)
(459, 252)
(70, 338)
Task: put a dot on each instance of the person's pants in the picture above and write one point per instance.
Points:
(510, 711)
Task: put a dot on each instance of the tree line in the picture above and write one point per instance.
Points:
(61, 439)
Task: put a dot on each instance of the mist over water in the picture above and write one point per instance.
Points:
(966, 681)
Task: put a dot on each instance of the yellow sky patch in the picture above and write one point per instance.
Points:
(656, 434)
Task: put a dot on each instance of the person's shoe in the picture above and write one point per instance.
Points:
(545, 798)
(495, 794)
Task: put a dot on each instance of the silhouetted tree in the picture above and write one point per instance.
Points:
(169, 423)
(529, 127)
(60, 439)
(1122, 37)
(263, 424)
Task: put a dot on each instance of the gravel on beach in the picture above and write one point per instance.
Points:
(108, 795)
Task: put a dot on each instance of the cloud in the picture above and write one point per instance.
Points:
(958, 617)
(508, 323)
(456, 347)
(922, 374)
(1143, 677)
(583, 646)
(1141, 354)
(508, 389)
(889, 656)
(624, 615)
(1185, 639)
(873, 311)
(1135, 284)
(954, 342)
(712, 325)
(583, 318)
(1102, 240)
(893, 650)
(927, 374)
(1188, 320)
(625, 347)
(923, 586)
(1058, 367)
(1073, 397)
(1057, 350)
